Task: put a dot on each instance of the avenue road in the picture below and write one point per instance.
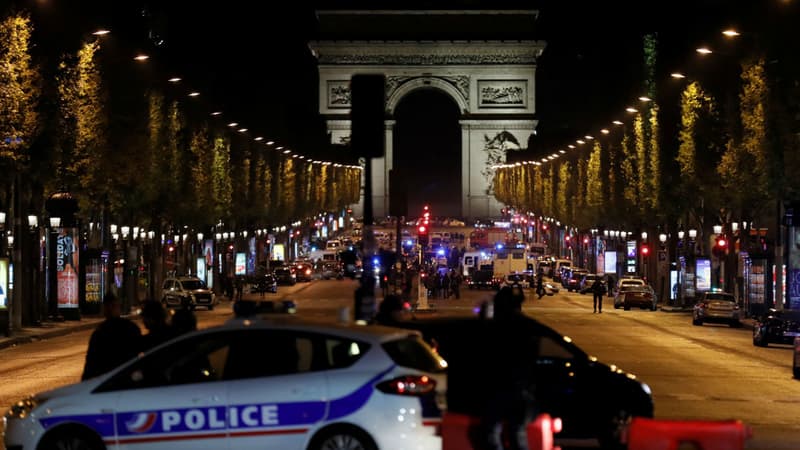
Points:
(710, 372)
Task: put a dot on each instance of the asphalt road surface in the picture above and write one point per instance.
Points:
(711, 372)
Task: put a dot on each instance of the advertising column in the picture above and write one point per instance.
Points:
(67, 272)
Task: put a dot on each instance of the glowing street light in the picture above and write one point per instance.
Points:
(174, 79)
(141, 58)
(704, 50)
(731, 33)
(101, 32)
(677, 75)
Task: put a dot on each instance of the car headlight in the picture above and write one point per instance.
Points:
(22, 408)
(646, 389)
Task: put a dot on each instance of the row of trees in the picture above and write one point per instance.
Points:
(728, 152)
(132, 151)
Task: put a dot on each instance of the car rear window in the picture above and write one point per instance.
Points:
(414, 353)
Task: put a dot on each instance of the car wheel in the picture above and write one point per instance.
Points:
(735, 324)
(654, 307)
(342, 438)
(616, 305)
(210, 307)
(613, 436)
(70, 439)
(697, 321)
(626, 307)
(760, 336)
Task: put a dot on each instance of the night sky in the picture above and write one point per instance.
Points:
(250, 59)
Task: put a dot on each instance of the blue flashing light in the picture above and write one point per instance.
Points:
(313, 249)
(409, 242)
(483, 254)
(376, 261)
(499, 246)
(440, 252)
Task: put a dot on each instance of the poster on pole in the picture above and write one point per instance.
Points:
(3, 283)
(610, 262)
(240, 264)
(703, 275)
(67, 267)
(200, 268)
(94, 281)
(208, 255)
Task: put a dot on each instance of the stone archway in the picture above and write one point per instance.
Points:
(492, 82)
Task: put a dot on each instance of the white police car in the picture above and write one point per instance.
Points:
(250, 384)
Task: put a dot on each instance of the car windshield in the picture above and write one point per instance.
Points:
(193, 284)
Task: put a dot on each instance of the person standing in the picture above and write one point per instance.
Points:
(154, 318)
(598, 290)
(540, 283)
(113, 342)
(511, 401)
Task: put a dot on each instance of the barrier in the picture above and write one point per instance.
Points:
(458, 430)
(652, 434)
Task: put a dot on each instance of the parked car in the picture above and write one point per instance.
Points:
(285, 275)
(331, 269)
(641, 296)
(264, 283)
(517, 278)
(304, 271)
(776, 326)
(250, 383)
(716, 307)
(572, 282)
(796, 359)
(565, 380)
(588, 281)
(186, 292)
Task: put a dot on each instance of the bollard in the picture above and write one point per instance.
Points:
(651, 434)
(458, 430)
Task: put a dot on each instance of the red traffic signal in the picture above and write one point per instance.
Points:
(645, 250)
(722, 243)
(422, 229)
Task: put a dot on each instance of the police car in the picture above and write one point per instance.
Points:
(250, 384)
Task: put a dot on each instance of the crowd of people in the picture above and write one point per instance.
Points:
(118, 339)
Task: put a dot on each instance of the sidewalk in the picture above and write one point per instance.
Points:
(49, 329)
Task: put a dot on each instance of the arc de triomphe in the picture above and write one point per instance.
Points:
(492, 82)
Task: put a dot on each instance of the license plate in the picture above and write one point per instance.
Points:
(791, 333)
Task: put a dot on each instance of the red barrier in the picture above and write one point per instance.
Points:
(457, 429)
(651, 434)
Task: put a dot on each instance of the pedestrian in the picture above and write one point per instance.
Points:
(239, 288)
(540, 283)
(392, 311)
(154, 318)
(511, 399)
(455, 283)
(610, 285)
(598, 291)
(113, 342)
(183, 321)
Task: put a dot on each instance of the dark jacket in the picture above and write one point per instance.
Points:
(113, 342)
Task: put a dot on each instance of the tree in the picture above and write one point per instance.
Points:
(20, 89)
(221, 179)
(594, 185)
(83, 125)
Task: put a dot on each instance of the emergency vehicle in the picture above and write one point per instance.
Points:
(250, 384)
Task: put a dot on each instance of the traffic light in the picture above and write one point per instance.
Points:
(645, 250)
(720, 247)
(422, 235)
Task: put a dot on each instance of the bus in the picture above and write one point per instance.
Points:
(508, 260)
